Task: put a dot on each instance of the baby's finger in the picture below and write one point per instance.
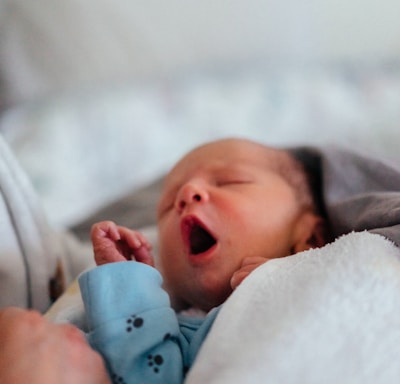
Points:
(143, 255)
(134, 239)
(112, 230)
(130, 237)
(144, 241)
(238, 277)
(124, 249)
(249, 264)
(105, 229)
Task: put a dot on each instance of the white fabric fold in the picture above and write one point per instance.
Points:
(31, 252)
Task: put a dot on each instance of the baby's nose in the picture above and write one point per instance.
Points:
(191, 193)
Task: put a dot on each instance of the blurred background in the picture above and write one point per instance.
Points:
(100, 97)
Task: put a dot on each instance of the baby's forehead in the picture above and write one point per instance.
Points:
(220, 158)
(189, 169)
(224, 152)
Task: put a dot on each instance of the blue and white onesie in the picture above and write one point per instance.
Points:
(133, 326)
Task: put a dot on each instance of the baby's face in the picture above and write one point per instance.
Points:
(221, 204)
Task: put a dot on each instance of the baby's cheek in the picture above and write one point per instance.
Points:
(169, 240)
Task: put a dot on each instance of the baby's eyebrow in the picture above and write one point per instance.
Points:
(234, 169)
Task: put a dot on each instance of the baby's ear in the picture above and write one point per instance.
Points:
(311, 232)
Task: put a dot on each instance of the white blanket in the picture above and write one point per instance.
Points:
(329, 315)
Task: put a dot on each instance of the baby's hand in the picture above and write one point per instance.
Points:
(113, 243)
(249, 264)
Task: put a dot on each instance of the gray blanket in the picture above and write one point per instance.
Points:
(356, 192)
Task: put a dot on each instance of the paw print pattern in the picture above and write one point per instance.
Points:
(155, 362)
(117, 379)
(168, 336)
(133, 322)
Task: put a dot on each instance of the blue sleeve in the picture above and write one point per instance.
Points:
(132, 324)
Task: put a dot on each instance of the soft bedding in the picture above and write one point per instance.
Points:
(26, 264)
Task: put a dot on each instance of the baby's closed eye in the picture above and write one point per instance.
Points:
(233, 176)
(227, 182)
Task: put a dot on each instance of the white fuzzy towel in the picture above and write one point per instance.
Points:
(329, 315)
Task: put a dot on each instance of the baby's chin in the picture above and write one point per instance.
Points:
(199, 300)
(210, 299)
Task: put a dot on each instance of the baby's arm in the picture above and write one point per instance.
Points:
(113, 243)
(248, 265)
(131, 323)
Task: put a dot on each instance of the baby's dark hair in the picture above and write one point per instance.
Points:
(310, 162)
(304, 182)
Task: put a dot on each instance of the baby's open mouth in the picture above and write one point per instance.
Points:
(199, 239)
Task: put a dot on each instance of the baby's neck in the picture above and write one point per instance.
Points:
(193, 312)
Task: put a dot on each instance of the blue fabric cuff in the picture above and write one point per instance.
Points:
(117, 289)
